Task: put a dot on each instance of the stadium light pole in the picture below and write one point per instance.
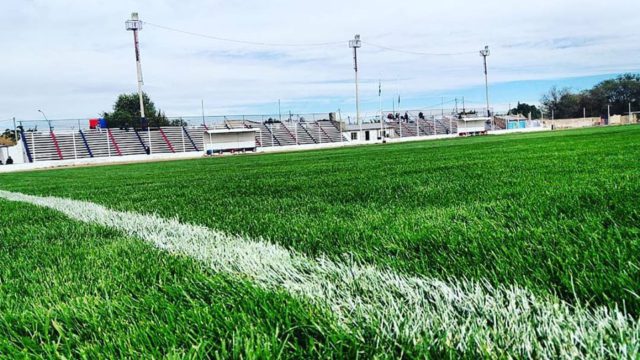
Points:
(382, 137)
(355, 44)
(15, 129)
(135, 24)
(47, 120)
(485, 53)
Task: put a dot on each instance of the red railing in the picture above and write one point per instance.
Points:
(166, 139)
(55, 142)
(113, 141)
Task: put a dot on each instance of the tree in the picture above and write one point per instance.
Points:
(617, 93)
(525, 109)
(561, 104)
(8, 137)
(126, 112)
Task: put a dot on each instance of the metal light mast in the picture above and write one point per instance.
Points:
(355, 44)
(484, 53)
(135, 25)
(47, 120)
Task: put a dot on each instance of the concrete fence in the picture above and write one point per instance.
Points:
(590, 121)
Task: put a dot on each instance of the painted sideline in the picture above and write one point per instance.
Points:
(458, 315)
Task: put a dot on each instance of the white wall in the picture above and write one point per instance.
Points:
(15, 152)
(373, 135)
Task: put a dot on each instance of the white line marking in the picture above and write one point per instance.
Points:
(470, 317)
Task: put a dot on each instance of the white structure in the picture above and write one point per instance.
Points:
(221, 140)
(473, 125)
(15, 152)
(369, 132)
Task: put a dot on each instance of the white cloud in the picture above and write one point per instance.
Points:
(72, 58)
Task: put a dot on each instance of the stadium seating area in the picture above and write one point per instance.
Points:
(79, 144)
(424, 127)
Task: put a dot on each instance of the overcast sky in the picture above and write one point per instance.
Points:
(72, 58)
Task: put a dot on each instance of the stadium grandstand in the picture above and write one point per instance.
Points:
(62, 142)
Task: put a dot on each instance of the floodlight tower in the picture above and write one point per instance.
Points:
(355, 44)
(484, 53)
(135, 24)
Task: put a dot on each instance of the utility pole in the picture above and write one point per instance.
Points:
(355, 44)
(202, 106)
(279, 111)
(14, 120)
(382, 117)
(484, 53)
(394, 114)
(135, 25)
(15, 129)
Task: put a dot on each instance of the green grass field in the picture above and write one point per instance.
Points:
(554, 213)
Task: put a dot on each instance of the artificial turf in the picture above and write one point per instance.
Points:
(554, 212)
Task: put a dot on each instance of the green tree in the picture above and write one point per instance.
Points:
(562, 103)
(8, 137)
(126, 112)
(525, 109)
(617, 93)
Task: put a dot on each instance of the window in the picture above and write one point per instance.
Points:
(354, 136)
(367, 136)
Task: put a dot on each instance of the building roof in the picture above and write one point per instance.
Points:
(467, 119)
(230, 131)
(367, 126)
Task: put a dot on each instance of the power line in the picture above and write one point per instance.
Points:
(438, 105)
(330, 43)
(417, 52)
(246, 42)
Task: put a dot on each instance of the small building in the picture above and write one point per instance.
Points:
(229, 140)
(15, 152)
(468, 126)
(366, 132)
(515, 122)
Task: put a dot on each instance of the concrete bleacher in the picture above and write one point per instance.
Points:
(424, 127)
(88, 143)
(42, 146)
(330, 130)
(97, 141)
(300, 133)
(128, 142)
(283, 134)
